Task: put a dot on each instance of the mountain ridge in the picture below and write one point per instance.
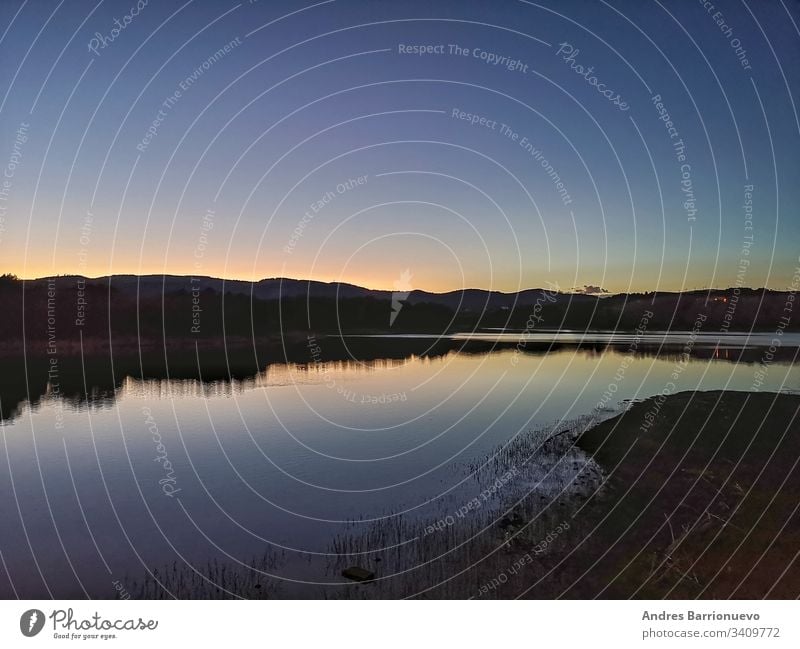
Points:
(270, 288)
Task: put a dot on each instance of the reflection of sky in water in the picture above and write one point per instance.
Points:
(263, 458)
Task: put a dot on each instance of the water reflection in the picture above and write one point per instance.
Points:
(93, 381)
(278, 449)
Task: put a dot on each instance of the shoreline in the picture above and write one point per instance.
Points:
(704, 494)
(656, 339)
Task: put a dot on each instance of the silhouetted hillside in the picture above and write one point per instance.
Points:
(151, 309)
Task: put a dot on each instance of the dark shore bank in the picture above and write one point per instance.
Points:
(703, 503)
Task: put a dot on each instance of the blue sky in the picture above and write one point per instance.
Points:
(309, 97)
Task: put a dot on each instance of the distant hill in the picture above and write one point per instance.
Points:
(128, 309)
(281, 287)
(470, 299)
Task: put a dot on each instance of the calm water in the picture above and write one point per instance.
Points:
(171, 470)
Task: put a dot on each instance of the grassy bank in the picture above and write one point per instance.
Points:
(703, 501)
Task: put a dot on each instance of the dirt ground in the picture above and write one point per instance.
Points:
(703, 503)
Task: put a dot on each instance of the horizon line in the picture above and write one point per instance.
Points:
(572, 291)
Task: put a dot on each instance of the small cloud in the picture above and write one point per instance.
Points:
(588, 289)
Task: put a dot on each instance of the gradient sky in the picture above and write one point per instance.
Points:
(311, 96)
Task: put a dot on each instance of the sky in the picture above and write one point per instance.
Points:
(625, 146)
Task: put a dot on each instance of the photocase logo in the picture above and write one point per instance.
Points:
(31, 622)
(402, 287)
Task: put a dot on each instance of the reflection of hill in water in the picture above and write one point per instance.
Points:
(96, 382)
(274, 375)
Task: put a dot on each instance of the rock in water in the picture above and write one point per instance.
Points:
(357, 573)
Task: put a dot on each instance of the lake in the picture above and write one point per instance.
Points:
(143, 472)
